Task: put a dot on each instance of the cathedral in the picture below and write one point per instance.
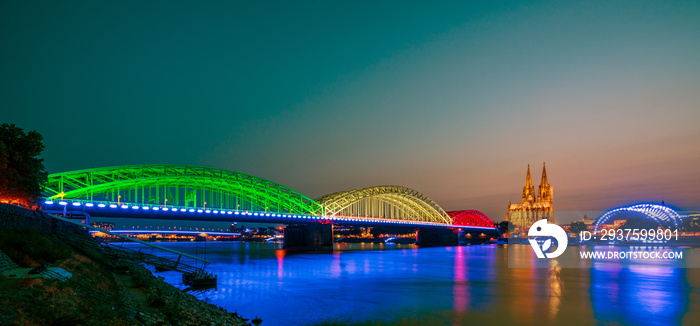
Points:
(524, 214)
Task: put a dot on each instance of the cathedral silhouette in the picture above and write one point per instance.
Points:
(530, 210)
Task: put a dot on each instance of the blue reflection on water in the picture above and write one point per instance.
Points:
(377, 283)
(473, 275)
(642, 296)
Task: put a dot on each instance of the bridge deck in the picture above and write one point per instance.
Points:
(253, 217)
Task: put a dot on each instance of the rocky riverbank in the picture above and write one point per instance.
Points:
(99, 291)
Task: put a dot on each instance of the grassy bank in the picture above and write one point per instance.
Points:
(100, 291)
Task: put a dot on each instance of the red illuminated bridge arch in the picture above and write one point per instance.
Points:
(471, 218)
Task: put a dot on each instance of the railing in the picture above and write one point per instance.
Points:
(159, 262)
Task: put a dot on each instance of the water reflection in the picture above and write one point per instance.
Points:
(554, 287)
(279, 253)
(460, 290)
(377, 284)
(651, 296)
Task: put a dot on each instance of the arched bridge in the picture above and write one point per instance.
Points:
(393, 202)
(178, 186)
(470, 217)
(664, 216)
(201, 193)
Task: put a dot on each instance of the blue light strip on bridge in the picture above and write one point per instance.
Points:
(288, 218)
(173, 232)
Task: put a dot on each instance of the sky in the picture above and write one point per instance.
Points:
(453, 99)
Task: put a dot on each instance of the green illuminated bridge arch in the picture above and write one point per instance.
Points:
(181, 186)
(194, 188)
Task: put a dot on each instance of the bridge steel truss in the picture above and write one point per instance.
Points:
(665, 216)
(178, 186)
(391, 202)
(470, 217)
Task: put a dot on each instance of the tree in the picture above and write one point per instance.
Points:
(22, 173)
(578, 227)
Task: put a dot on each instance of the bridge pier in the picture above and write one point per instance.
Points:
(309, 237)
(437, 237)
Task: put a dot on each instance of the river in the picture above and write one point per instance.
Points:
(389, 284)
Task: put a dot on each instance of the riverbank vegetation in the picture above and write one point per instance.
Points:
(100, 291)
(22, 173)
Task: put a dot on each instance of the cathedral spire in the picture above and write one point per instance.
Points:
(546, 190)
(544, 175)
(529, 189)
(528, 181)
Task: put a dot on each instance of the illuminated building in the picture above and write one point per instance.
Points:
(618, 223)
(103, 225)
(530, 210)
(588, 223)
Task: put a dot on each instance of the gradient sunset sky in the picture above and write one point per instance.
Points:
(453, 99)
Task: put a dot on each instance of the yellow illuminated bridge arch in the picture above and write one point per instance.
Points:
(392, 202)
